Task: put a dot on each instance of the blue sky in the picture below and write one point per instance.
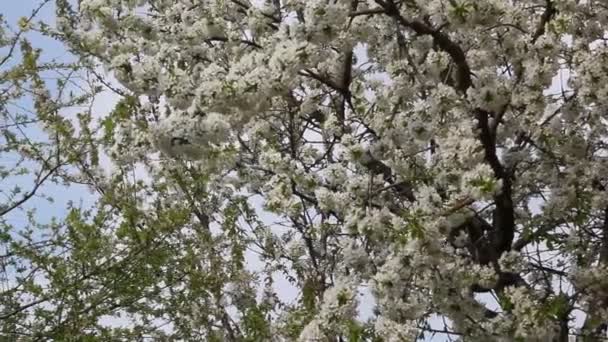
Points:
(12, 10)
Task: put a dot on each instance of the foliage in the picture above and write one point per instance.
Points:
(447, 157)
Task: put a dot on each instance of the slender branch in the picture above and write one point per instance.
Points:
(32, 192)
(370, 11)
(224, 40)
(16, 38)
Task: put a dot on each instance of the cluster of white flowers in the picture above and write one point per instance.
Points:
(392, 331)
(511, 261)
(338, 308)
(492, 92)
(530, 324)
(356, 257)
(324, 19)
(592, 279)
(331, 201)
(590, 82)
(480, 182)
(186, 136)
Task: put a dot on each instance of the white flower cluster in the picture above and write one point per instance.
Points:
(529, 321)
(480, 182)
(392, 331)
(338, 307)
(189, 137)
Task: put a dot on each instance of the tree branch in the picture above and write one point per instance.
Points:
(548, 14)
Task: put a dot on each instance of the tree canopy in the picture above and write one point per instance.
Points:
(319, 170)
